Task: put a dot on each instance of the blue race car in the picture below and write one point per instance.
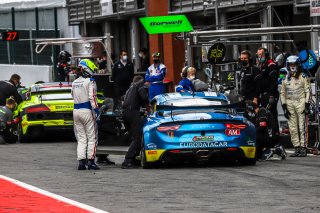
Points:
(200, 126)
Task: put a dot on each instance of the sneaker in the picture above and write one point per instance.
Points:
(267, 154)
(303, 152)
(82, 165)
(92, 165)
(128, 164)
(296, 152)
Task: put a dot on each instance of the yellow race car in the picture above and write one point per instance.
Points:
(48, 106)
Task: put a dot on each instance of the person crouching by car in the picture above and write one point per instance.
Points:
(6, 136)
(188, 74)
(266, 131)
(135, 98)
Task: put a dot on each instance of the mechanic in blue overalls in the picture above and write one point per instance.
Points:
(188, 74)
(155, 75)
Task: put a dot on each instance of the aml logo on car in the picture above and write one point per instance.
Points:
(203, 144)
(203, 138)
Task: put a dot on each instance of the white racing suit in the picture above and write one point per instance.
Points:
(295, 92)
(85, 126)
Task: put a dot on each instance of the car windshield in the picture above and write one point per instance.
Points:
(193, 103)
(55, 96)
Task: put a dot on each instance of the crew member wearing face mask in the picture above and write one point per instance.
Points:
(9, 88)
(122, 74)
(144, 60)
(269, 81)
(294, 95)
(249, 78)
(6, 136)
(188, 75)
(155, 75)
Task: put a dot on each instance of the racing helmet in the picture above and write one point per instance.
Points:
(64, 56)
(88, 67)
(293, 60)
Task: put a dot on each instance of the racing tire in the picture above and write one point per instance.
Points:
(248, 161)
(21, 138)
(144, 163)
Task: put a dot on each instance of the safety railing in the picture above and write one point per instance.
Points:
(176, 6)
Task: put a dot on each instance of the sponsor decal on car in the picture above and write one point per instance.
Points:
(64, 107)
(203, 138)
(250, 143)
(232, 132)
(154, 152)
(203, 144)
(151, 146)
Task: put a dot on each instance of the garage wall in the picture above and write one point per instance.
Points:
(29, 73)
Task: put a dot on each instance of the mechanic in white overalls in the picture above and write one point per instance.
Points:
(84, 114)
(294, 95)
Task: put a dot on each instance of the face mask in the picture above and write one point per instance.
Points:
(191, 77)
(244, 63)
(124, 58)
(262, 60)
(155, 61)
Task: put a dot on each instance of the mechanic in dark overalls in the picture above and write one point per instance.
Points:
(269, 93)
(250, 78)
(135, 98)
(6, 136)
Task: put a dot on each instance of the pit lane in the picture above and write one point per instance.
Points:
(283, 186)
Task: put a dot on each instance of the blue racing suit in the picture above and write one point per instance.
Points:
(155, 76)
(185, 85)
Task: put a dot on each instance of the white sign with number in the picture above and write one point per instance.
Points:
(314, 7)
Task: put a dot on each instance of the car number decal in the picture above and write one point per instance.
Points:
(203, 138)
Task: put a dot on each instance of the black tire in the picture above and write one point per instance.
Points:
(144, 163)
(21, 138)
(248, 161)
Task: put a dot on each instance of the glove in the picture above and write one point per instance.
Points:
(286, 111)
(307, 108)
(16, 120)
(271, 100)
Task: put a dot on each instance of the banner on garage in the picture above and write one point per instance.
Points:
(166, 24)
(314, 7)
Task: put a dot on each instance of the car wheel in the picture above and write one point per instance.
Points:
(21, 138)
(144, 163)
(248, 161)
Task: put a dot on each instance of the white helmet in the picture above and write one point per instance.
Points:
(293, 60)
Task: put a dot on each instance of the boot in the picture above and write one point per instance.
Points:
(129, 164)
(82, 165)
(296, 152)
(92, 165)
(303, 152)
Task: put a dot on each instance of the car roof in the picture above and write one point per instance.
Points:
(51, 86)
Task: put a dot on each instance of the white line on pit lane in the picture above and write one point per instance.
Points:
(52, 195)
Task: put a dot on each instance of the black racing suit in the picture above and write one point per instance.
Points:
(266, 130)
(136, 97)
(122, 75)
(250, 83)
(8, 89)
(269, 87)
